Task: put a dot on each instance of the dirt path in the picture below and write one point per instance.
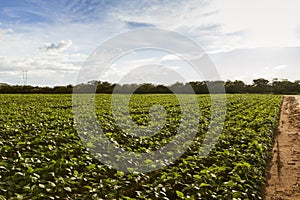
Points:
(284, 173)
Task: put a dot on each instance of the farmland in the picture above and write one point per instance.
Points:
(43, 157)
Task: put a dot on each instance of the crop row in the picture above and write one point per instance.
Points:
(42, 155)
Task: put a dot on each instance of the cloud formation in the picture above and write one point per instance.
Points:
(61, 46)
(223, 28)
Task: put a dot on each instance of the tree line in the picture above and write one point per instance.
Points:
(260, 85)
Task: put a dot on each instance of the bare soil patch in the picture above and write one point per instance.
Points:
(284, 171)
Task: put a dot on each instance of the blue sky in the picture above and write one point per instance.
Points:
(51, 39)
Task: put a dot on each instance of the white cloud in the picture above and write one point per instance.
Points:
(218, 26)
(61, 46)
(170, 57)
(5, 31)
(64, 66)
(264, 23)
(222, 25)
(166, 14)
(21, 49)
(252, 63)
(192, 18)
(276, 68)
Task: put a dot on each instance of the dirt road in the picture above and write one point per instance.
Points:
(284, 173)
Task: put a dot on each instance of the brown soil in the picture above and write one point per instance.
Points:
(284, 171)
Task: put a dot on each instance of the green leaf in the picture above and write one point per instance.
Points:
(19, 196)
(148, 161)
(91, 167)
(51, 184)
(88, 187)
(2, 197)
(204, 185)
(180, 194)
(68, 189)
(30, 169)
(120, 173)
(196, 176)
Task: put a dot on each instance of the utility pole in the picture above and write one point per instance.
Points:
(24, 71)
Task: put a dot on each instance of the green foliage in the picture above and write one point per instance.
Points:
(42, 157)
(259, 86)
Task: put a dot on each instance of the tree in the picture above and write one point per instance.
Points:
(235, 87)
(261, 85)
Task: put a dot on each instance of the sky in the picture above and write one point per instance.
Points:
(244, 40)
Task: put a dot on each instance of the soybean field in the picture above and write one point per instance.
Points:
(42, 155)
